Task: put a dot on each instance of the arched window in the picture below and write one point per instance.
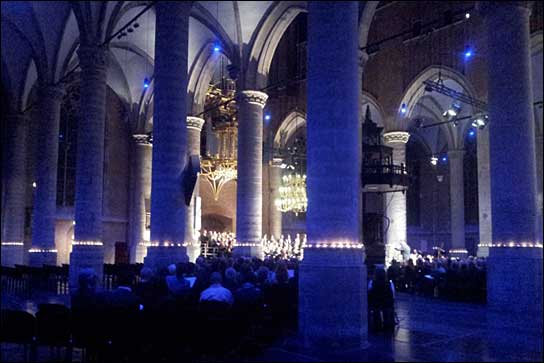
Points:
(66, 171)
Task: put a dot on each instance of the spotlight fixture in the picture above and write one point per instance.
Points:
(403, 108)
(130, 30)
(453, 111)
(471, 133)
(146, 82)
(467, 15)
(444, 159)
(468, 53)
(267, 117)
(216, 48)
(434, 160)
(135, 25)
(480, 121)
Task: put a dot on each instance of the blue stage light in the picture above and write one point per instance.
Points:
(468, 52)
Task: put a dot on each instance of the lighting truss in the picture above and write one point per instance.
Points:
(439, 87)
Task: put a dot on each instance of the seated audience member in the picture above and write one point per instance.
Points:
(231, 279)
(148, 289)
(123, 297)
(216, 292)
(381, 298)
(262, 277)
(85, 297)
(178, 286)
(280, 297)
(248, 296)
(87, 313)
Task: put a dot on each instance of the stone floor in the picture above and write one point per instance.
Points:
(430, 330)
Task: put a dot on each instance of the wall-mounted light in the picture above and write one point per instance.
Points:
(146, 82)
(434, 160)
(403, 108)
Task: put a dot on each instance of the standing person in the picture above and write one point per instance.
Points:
(381, 300)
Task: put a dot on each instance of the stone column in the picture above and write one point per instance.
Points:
(514, 283)
(87, 249)
(333, 309)
(484, 193)
(168, 208)
(274, 213)
(457, 203)
(142, 190)
(395, 203)
(13, 218)
(43, 249)
(539, 196)
(194, 127)
(249, 198)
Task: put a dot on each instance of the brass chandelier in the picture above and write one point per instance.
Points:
(292, 194)
(220, 168)
(292, 191)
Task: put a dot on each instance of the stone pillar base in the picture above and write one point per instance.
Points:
(84, 256)
(482, 251)
(193, 251)
(162, 256)
(248, 251)
(333, 299)
(12, 255)
(141, 252)
(42, 257)
(514, 281)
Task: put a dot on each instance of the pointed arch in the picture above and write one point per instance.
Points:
(294, 121)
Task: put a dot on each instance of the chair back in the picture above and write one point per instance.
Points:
(17, 326)
(53, 324)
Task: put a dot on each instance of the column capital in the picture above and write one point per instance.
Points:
(255, 97)
(487, 8)
(93, 57)
(52, 92)
(141, 139)
(363, 58)
(456, 154)
(276, 162)
(396, 137)
(195, 123)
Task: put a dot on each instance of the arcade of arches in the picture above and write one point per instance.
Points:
(114, 154)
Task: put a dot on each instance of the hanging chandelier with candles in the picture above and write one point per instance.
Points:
(220, 167)
(292, 190)
(293, 194)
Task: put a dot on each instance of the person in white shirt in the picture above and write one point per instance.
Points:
(216, 292)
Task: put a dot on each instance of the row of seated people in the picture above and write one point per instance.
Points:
(451, 279)
(188, 309)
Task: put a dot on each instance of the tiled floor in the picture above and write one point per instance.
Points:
(430, 330)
